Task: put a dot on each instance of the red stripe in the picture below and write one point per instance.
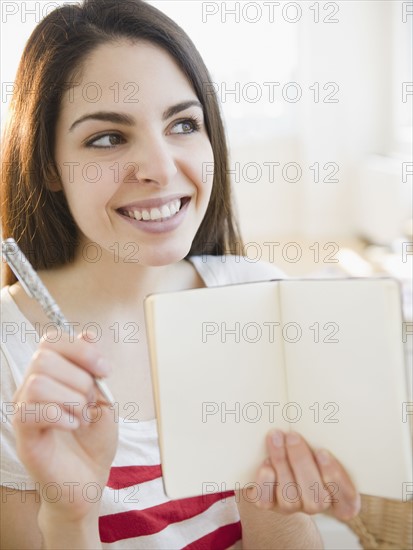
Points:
(221, 539)
(126, 476)
(139, 523)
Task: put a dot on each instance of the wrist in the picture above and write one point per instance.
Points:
(61, 532)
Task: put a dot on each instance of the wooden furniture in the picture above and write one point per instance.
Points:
(384, 524)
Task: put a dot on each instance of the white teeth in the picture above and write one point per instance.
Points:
(175, 206)
(155, 214)
(164, 212)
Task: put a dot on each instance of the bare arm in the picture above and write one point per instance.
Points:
(68, 452)
(270, 530)
(21, 515)
(18, 515)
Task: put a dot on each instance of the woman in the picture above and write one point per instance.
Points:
(106, 191)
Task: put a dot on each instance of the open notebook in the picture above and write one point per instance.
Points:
(324, 358)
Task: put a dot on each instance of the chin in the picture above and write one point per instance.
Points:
(161, 256)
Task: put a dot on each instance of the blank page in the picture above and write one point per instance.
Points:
(347, 373)
(215, 383)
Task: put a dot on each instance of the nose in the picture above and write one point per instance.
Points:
(153, 160)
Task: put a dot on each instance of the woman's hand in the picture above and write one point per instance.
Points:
(66, 434)
(296, 479)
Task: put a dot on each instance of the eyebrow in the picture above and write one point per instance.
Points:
(175, 109)
(127, 120)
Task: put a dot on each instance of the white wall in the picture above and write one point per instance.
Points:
(359, 55)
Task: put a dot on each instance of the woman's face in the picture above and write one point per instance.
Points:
(134, 155)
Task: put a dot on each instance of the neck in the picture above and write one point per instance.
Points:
(116, 282)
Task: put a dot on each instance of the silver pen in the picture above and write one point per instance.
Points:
(34, 287)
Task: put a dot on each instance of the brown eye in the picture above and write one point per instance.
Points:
(105, 141)
(187, 126)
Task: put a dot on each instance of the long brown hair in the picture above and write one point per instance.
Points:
(39, 218)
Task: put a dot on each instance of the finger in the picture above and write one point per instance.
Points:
(51, 364)
(284, 497)
(45, 390)
(31, 418)
(81, 352)
(310, 487)
(263, 494)
(345, 499)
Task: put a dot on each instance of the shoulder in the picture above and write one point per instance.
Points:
(19, 341)
(9, 310)
(9, 313)
(229, 269)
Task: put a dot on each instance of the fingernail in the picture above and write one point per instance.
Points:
(266, 480)
(75, 423)
(277, 438)
(266, 475)
(103, 366)
(89, 335)
(91, 396)
(357, 504)
(293, 438)
(351, 511)
(50, 334)
(323, 456)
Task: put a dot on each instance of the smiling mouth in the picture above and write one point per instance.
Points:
(160, 214)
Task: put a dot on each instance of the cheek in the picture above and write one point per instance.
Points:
(203, 171)
(88, 177)
(87, 189)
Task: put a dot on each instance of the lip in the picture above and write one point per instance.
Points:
(153, 203)
(156, 226)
